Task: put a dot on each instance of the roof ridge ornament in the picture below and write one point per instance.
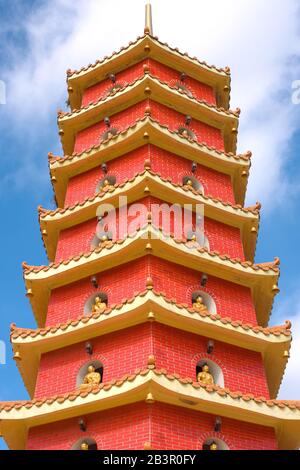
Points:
(148, 19)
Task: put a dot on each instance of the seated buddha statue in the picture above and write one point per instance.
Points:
(213, 446)
(99, 305)
(104, 238)
(84, 446)
(204, 376)
(92, 378)
(105, 184)
(189, 183)
(199, 304)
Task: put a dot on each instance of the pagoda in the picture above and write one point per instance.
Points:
(148, 340)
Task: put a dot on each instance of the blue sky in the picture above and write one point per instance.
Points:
(39, 40)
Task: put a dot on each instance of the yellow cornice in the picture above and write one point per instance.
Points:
(53, 222)
(271, 342)
(149, 47)
(284, 418)
(236, 166)
(260, 279)
(142, 89)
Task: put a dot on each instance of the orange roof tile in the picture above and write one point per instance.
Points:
(25, 332)
(273, 266)
(202, 146)
(44, 212)
(8, 406)
(229, 112)
(71, 73)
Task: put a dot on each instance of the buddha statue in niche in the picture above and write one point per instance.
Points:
(91, 379)
(105, 184)
(84, 446)
(99, 305)
(199, 305)
(213, 446)
(204, 376)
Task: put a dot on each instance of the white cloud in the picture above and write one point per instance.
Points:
(291, 381)
(258, 39)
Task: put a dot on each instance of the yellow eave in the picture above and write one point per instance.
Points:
(40, 282)
(147, 131)
(75, 122)
(34, 343)
(15, 423)
(56, 221)
(216, 78)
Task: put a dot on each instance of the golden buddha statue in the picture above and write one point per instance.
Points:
(92, 378)
(99, 305)
(205, 377)
(84, 446)
(105, 184)
(199, 304)
(189, 183)
(213, 446)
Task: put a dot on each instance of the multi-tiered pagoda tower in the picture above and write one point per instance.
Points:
(148, 342)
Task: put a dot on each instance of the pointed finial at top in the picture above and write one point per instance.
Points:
(148, 19)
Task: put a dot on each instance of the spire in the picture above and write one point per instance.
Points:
(148, 19)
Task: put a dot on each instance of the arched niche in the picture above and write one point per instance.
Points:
(88, 306)
(186, 132)
(111, 181)
(114, 88)
(193, 182)
(100, 238)
(214, 369)
(207, 300)
(201, 238)
(92, 444)
(110, 132)
(83, 371)
(221, 445)
(184, 89)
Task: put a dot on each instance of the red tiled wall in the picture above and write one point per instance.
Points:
(76, 240)
(120, 353)
(167, 164)
(160, 71)
(86, 138)
(167, 427)
(177, 351)
(175, 281)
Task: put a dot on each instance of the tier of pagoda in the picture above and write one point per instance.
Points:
(149, 341)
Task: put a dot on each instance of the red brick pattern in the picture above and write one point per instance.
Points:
(177, 351)
(167, 427)
(174, 280)
(124, 351)
(222, 238)
(156, 69)
(204, 133)
(167, 164)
